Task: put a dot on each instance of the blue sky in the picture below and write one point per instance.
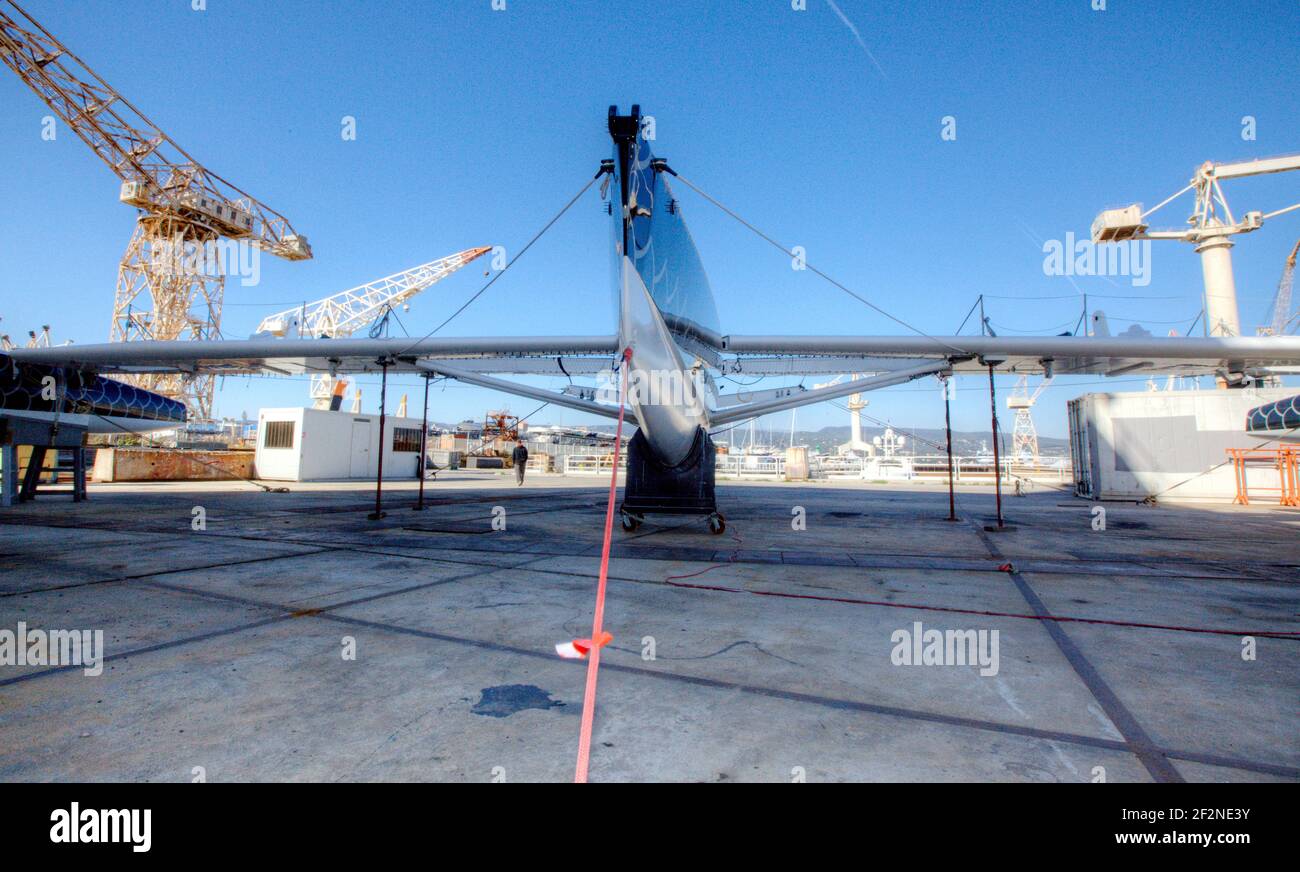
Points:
(475, 125)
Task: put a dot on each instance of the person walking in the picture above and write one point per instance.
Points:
(520, 458)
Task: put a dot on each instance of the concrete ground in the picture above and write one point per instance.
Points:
(762, 654)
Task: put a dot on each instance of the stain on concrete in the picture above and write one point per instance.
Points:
(505, 699)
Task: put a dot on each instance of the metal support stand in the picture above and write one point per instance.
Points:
(947, 425)
(8, 475)
(32, 478)
(46, 440)
(424, 443)
(78, 474)
(997, 456)
(686, 489)
(379, 478)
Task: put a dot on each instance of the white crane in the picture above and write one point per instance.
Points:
(1211, 226)
(34, 339)
(344, 313)
(1024, 436)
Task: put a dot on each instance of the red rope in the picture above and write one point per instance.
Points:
(593, 658)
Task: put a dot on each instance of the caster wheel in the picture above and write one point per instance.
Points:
(717, 524)
(630, 522)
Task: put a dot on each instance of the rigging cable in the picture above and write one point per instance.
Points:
(812, 268)
(509, 263)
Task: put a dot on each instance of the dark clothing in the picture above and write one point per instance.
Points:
(520, 458)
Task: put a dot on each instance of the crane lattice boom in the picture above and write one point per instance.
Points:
(343, 313)
(1280, 319)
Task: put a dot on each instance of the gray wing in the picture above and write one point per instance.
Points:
(882, 361)
(542, 355)
(1231, 357)
(466, 359)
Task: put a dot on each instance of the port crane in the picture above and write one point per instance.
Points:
(1211, 227)
(170, 282)
(1280, 319)
(1024, 435)
(344, 313)
(34, 339)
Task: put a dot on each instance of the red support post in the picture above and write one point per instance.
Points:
(947, 425)
(997, 456)
(379, 478)
(424, 444)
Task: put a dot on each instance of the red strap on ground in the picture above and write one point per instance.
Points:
(597, 630)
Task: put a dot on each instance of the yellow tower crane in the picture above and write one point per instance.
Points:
(170, 283)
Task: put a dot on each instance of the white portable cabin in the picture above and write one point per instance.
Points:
(1168, 444)
(301, 444)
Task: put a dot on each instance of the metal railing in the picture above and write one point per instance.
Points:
(593, 464)
(898, 468)
(755, 465)
(842, 467)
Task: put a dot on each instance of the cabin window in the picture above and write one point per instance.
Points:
(406, 439)
(279, 434)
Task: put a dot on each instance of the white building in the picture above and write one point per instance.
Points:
(1170, 444)
(300, 444)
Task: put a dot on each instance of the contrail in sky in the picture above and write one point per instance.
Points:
(856, 35)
